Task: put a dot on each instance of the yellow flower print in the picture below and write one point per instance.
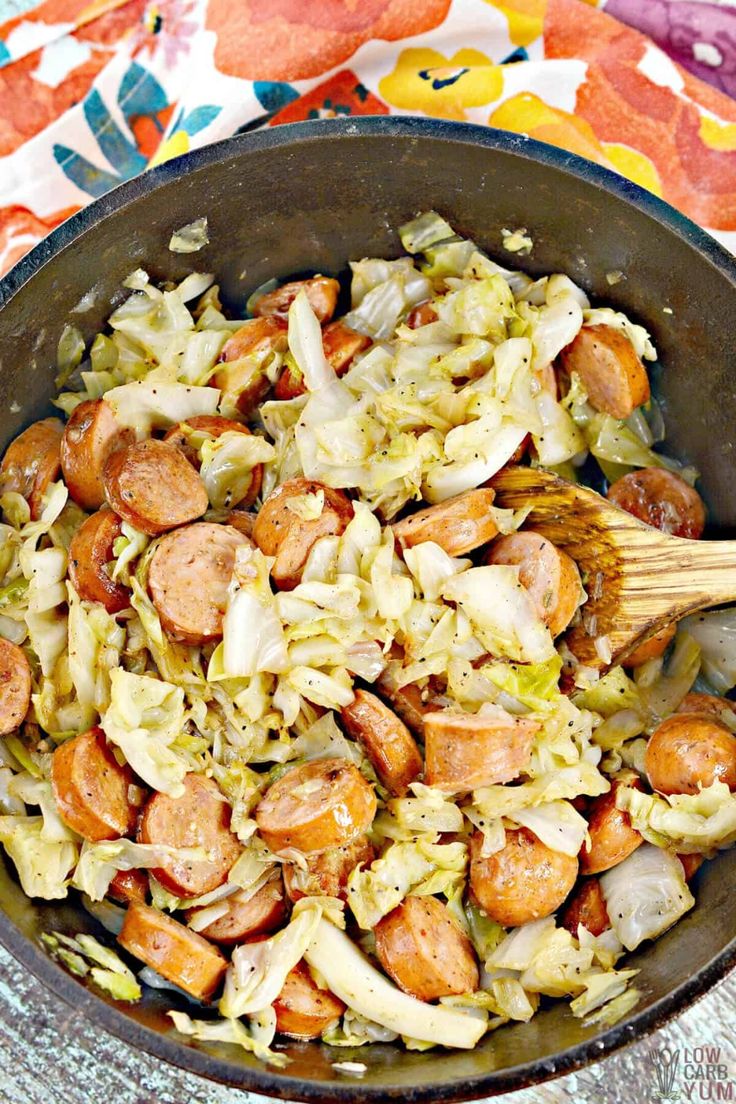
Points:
(425, 80)
(633, 164)
(528, 114)
(174, 146)
(525, 18)
(718, 135)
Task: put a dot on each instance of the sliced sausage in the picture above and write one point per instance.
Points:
(32, 461)
(457, 525)
(707, 703)
(281, 533)
(303, 1010)
(464, 751)
(188, 579)
(248, 916)
(259, 335)
(341, 345)
(242, 521)
(406, 701)
(609, 369)
(689, 751)
(91, 434)
(524, 881)
(15, 686)
(661, 499)
(199, 818)
(173, 950)
(549, 574)
(587, 906)
(387, 741)
(652, 648)
(612, 837)
(90, 551)
(327, 873)
(214, 425)
(691, 864)
(320, 804)
(421, 316)
(152, 486)
(92, 790)
(243, 385)
(322, 293)
(425, 952)
(128, 885)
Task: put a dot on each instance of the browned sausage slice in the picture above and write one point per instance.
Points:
(255, 336)
(387, 741)
(90, 551)
(199, 818)
(320, 804)
(421, 316)
(549, 574)
(152, 486)
(247, 916)
(214, 425)
(244, 385)
(188, 579)
(691, 864)
(91, 789)
(406, 701)
(587, 906)
(32, 461)
(690, 750)
(610, 370)
(281, 533)
(457, 525)
(128, 885)
(661, 499)
(173, 950)
(612, 837)
(303, 1010)
(524, 881)
(341, 345)
(327, 873)
(464, 751)
(15, 686)
(652, 648)
(422, 948)
(322, 293)
(242, 521)
(707, 703)
(91, 434)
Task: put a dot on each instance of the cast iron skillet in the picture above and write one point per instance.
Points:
(309, 197)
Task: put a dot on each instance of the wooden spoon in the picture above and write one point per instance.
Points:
(637, 579)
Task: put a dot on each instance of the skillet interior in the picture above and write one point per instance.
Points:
(309, 197)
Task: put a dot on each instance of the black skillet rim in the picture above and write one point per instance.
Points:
(188, 1057)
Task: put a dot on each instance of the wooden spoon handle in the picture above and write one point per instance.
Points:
(705, 568)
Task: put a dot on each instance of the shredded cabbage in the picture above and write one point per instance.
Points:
(144, 718)
(645, 894)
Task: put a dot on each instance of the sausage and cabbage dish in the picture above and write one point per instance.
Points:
(284, 694)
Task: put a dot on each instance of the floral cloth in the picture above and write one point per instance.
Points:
(92, 93)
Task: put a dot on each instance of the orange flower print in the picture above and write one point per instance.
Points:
(425, 80)
(280, 40)
(625, 105)
(528, 114)
(20, 229)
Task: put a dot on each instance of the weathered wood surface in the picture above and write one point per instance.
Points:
(51, 1055)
